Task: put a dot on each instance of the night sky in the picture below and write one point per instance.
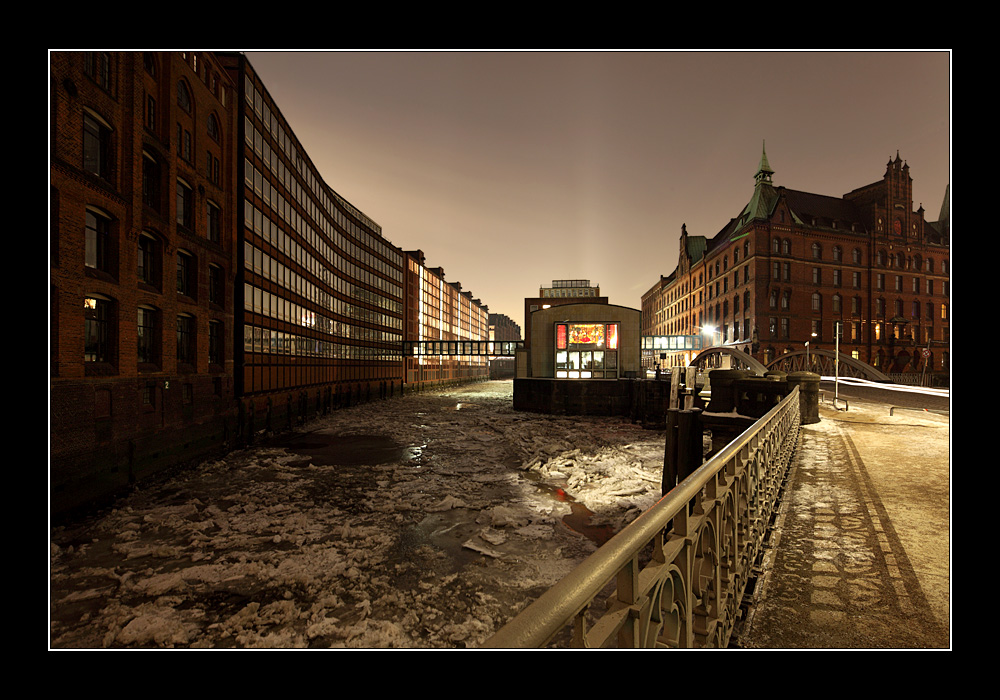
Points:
(511, 169)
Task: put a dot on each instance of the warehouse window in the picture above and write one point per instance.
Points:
(98, 313)
(96, 146)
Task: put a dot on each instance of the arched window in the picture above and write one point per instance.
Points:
(184, 96)
(838, 254)
(880, 258)
(213, 127)
(817, 302)
(776, 245)
(817, 251)
(786, 247)
(856, 256)
(97, 153)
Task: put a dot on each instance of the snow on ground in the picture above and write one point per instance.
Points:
(435, 542)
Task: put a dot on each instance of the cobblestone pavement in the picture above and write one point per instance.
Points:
(860, 553)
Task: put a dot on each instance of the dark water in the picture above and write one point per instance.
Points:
(330, 449)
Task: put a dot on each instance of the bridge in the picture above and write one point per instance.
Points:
(819, 361)
(684, 573)
(477, 348)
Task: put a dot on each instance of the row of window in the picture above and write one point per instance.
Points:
(98, 255)
(882, 257)
(270, 341)
(185, 216)
(270, 268)
(100, 337)
(280, 308)
(853, 331)
(330, 268)
(313, 196)
(315, 202)
(389, 278)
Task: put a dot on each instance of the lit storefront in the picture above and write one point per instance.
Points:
(585, 341)
(586, 350)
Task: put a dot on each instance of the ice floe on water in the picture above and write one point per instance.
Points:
(436, 548)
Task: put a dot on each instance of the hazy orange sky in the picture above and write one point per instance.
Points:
(511, 169)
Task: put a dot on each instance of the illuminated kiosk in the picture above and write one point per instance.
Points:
(581, 360)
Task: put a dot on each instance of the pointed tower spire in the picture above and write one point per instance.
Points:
(764, 171)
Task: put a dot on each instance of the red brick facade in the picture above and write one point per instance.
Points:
(793, 264)
(141, 342)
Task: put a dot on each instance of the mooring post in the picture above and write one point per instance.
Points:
(670, 453)
(689, 442)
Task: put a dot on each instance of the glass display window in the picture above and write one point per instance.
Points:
(586, 350)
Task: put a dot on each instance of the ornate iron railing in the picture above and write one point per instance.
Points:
(680, 570)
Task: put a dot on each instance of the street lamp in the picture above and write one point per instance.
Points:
(708, 330)
(808, 358)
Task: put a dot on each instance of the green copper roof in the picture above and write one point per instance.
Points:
(764, 171)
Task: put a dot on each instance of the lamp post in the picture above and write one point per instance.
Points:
(808, 358)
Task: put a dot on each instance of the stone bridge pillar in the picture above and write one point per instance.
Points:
(808, 383)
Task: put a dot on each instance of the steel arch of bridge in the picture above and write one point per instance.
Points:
(821, 362)
(738, 359)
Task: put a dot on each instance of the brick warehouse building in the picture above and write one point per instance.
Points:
(141, 260)
(438, 310)
(206, 283)
(792, 264)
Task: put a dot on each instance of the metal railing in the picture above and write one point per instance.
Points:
(680, 569)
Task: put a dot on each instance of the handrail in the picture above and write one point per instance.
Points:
(706, 535)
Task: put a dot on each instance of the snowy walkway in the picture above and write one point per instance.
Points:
(861, 554)
(436, 545)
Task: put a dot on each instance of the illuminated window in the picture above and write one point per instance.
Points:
(97, 335)
(586, 351)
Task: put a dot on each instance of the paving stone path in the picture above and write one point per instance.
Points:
(839, 572)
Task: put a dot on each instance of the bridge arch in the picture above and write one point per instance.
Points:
(821, 361)
(709, 358)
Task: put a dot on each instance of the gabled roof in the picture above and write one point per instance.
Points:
(696, 247)
(806, 206)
